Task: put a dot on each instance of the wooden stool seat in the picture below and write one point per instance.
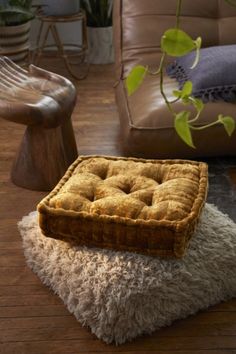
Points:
(43, 101)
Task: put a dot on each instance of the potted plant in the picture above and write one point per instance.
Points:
(99, 25)
(15, 16)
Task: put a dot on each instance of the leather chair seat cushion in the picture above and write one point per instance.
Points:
(147, 126)
(137, 205)
(147, 108)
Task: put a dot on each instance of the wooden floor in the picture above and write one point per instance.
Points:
(32, 319)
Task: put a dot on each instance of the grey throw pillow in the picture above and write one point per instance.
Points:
(214, 78)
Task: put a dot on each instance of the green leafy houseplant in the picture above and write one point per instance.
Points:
(100, 31)
(176, 43)
(99, 12)
(15, 12)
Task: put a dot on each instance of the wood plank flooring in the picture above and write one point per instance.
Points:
(32, 319)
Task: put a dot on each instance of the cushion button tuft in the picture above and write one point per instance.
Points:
(91, 198)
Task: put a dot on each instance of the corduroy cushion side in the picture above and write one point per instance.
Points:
(146, 206)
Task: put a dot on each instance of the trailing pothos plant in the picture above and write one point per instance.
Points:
(177, 43)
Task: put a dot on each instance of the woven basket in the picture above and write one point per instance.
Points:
(152, 237)
(14, 42)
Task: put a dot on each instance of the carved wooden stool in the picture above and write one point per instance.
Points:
(44, 102)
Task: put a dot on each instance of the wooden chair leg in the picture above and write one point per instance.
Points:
(44, 156)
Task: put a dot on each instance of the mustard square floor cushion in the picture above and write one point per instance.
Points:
(137, 205)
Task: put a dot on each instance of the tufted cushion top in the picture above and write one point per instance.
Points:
(169, 193)
(136, 190)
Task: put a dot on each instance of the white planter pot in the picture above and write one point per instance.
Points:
(61, 7)
(100, 41)
(14, 42)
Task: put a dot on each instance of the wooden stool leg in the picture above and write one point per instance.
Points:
(44, 156)
(68, 137)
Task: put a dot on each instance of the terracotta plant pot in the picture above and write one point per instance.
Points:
(100, 40)
(14, 42)
(61, 7)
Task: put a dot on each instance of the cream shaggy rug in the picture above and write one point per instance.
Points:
(123, 295)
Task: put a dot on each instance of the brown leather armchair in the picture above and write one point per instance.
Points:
(146, 124)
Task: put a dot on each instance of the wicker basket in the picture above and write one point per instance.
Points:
(59, 218)
(14, 42)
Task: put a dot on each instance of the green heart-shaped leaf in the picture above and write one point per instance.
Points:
(183, 129)
(198, 104)
(187, 89)
(135, 78)
(185, 92)
(228, 123)
(177, 93)
(176, 42)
